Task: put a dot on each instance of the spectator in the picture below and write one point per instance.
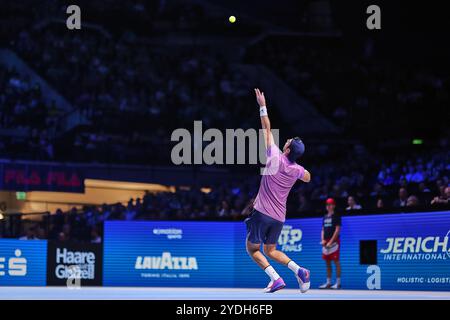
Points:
(380, 203)
(205, 212)
(443, 198)
(224, 209)
(130, 212)
(66, 233)
(352, 205)
(402, 198)
(95, 237)
(62, 237)
(412, 201)
(423, 188)
(378, 190)
(30, 234)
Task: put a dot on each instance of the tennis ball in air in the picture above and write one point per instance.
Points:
(232, 19)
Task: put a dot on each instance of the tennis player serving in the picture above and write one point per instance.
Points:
(266, 220)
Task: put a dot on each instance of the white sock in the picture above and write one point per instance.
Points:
(338, 281)
(270, 271)
(328, 280)
(293, 266)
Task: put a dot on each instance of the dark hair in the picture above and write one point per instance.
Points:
(296, 149)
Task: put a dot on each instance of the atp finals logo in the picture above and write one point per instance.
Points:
(290, 238)
(417, 248)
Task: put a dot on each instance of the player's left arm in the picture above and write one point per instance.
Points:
(248, 208)
(306, 176)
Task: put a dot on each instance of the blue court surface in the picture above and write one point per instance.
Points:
(116, 293)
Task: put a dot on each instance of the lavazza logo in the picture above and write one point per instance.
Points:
(15, 266)
(290, 238)
(417, 248)
(74, 264)
(166, 261)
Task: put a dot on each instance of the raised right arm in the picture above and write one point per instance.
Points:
(265, 121)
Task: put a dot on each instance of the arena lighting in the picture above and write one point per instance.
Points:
(96, 192)
(205, 190)
(123, 185)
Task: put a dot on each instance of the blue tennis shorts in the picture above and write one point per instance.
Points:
(262, 229)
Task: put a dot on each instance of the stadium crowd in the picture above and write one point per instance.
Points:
(134, 95)
(24, 111)
(394, 186)
(370, 84)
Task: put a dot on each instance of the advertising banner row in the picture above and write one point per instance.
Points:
(390, 252)
(43, 177)
(42, 262)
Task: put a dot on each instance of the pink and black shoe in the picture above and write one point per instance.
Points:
(275, 286)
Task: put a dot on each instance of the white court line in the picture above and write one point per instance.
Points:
(127, 293)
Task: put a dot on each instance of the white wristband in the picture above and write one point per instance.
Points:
(263, 111)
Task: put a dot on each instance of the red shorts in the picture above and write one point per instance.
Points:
(332, 254)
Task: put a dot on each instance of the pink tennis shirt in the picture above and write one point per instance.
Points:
(279, 176)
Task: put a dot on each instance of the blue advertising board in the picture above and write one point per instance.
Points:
(194, 254)
(412, 253)
(23, 263)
